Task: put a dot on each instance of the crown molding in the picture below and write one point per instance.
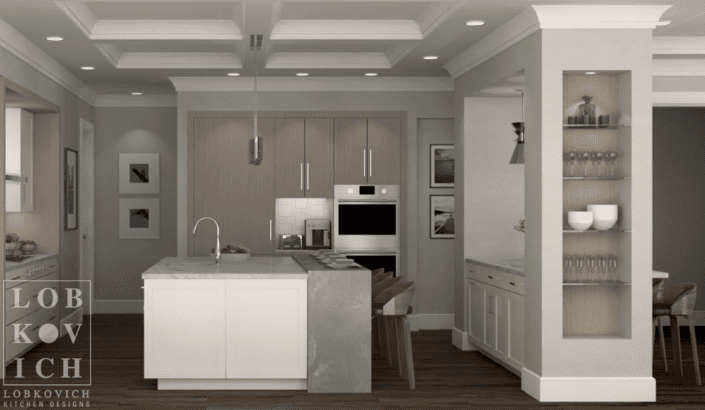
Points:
(179, 60)
(346, 30)
(535, 18)
(313, 84)
(434, 15)
(506, 35)
(80, 14)
(679, 68)
(17, 44)
(327, 60)
(165, 30)
(121, 100)
(598, 16)
(396, 52)
(679, 45)
(678, 99)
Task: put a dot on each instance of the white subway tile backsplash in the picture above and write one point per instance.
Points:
(292, 213)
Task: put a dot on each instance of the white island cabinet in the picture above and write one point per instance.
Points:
(213, 327)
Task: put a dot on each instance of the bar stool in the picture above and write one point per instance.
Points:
(391, 308)
(379, 275)
(658, 286)
(679, 300)
(384, 284)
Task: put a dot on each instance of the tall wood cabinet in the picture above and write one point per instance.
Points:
(304, 158)
(367, 151)
(226, 187)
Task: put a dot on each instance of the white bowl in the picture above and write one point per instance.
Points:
(604, 216)
(579, 221)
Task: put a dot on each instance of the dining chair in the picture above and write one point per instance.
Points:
(678, 301)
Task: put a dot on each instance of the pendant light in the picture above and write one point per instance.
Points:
(518, 155)
(256, 142)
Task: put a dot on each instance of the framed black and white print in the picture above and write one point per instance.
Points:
(442, 166)
(70, 189)
(139, 218)
(139, 173)
(442, 216)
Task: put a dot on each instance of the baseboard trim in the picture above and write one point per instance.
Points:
(431, 321)
(588, 389)
(461, 341)
(232, 384)
(75, 317)
(118, 306)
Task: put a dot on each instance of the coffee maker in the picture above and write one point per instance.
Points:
(317, 233)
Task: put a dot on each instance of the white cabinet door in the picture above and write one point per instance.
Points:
(266, 328)
(476, 313)
(515, 310)
(184, 328)
(490, 319)
(502, 343)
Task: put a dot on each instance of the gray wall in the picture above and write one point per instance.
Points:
(72, 109)
(435, 257)
(679, 195)
(119, 263)
(415, 104)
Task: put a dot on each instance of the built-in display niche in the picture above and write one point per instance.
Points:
(597, 240)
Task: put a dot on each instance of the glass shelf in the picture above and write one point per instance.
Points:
(592, 126)
(597, 178)
(599, 283)
(595, 231)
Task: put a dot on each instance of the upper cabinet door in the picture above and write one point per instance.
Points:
(319, 168)
(383, 159)
(289, 152)
(350, 151)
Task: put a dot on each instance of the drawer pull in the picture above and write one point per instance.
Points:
(512, 283)
(52, 318)
(35, 296)
(35, 328)
(490, 277)
(16, 278)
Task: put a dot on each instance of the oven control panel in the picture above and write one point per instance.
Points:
(369, 192)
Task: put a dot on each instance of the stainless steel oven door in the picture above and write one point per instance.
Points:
(366, 224)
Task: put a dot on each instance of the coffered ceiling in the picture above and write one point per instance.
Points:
(136, 45)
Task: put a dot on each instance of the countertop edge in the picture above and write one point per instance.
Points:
(36, 258)
(497, 266)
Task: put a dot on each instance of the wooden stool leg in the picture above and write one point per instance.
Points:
(374, 333)
(408, 355)
(382, 334)
(401, 351)
(391, 341)
(694, 345)
(662, 341)
(676, 342)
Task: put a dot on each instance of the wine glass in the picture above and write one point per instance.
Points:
(579, 264)
(571, 157)
(568, 265)
(583, 159)
(612, 155)
(597, 159)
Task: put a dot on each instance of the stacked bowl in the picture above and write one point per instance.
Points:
(600, 217)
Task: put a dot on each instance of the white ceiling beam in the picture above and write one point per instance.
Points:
(346, 30)
(679, 45)
(106, 30)
(122, 100)
(678, 99)
(180, 60)
(265, 84)
(678, 68)
(397, 52)
(80, 14)
(327, 60)
(598, 16)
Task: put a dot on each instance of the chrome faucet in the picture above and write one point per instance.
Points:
(217, 237)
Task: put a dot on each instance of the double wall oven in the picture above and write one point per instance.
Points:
(366, 224)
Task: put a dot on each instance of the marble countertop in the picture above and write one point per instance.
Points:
(502, 265)
(257, 267)
(35, 258)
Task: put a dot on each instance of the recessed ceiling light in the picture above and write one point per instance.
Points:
(663, 23)
(55, 38)
(87, 67)
(590, 72)
(136, 93)
(474, 23)
(233, 74)
(371, 74)
(302, 74)
(430, 57)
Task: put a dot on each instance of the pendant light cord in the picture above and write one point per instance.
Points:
(255, 97)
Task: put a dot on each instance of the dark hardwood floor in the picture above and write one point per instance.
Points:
(446, 378)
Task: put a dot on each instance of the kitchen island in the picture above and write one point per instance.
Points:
(264, 323)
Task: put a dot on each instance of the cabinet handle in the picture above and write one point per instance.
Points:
(16, 278)
(490, 277)
(364, 160)
(270, 229)
(302, 176)
(512, 283)
(370, 163)
(35, 328)
(308, 174)
(52, 318)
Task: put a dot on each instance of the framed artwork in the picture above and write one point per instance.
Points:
(70, 189)
(442, 166)
(442, 216)
(139, 173)
(139, 218)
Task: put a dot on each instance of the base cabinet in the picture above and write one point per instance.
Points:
(496, 320)
(225, 329)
